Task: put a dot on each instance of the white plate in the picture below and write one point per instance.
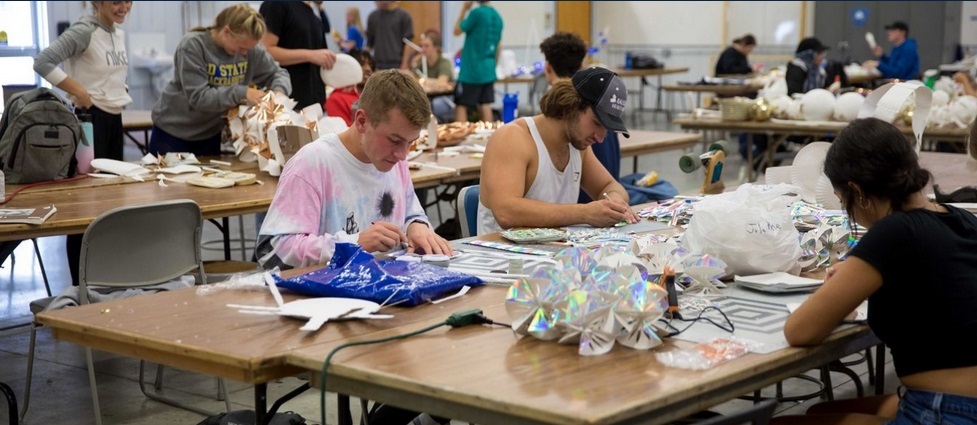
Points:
(330, 308)
(807, 168)
(824, 194)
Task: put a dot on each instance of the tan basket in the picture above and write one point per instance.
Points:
(735, 109)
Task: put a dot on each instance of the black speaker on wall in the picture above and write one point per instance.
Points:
(62, 26)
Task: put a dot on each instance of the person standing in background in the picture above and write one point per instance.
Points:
(903, 62)
(804, 72)
(94, 51)
(733, 60)
(354, 32)
(296, 39)
(476, 82)
(214, 69)
(386, 29)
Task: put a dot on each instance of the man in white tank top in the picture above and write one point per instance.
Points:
(534, 167)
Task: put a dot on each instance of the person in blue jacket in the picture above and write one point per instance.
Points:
(903, 62)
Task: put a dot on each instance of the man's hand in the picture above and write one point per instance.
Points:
(324, 58)
(877, 51)
(608, 212)
(381, 236)
(423, 240)
(870, 64)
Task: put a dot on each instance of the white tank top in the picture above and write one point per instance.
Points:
(549, 184)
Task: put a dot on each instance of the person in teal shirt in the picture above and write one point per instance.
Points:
(476, 83)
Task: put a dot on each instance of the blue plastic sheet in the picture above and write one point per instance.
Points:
(354, 273)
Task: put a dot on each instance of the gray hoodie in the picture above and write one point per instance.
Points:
(207, 82)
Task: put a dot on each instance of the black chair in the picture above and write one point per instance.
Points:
(759, 414)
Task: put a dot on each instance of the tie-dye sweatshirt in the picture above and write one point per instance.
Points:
(325, 195)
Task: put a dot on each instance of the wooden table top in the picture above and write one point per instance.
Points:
(719, 89)
(137, 120)
(489, 375)
(803, 128)
(950, 170)
(644, 142)
(621, 72)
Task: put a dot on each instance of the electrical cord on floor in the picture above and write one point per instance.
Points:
(456, 320)
(699, 317)
(10, 196)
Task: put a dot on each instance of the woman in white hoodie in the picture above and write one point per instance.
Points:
(94, 52)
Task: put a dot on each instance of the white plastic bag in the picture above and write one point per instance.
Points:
(750, 229)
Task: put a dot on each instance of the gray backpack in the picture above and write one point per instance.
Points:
(38, 136)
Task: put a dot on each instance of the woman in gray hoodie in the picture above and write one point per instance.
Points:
(215, 69)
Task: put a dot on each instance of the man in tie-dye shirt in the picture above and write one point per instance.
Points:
(354, 186)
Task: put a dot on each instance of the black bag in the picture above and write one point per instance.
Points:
(642, 61)
(246, 417)
(38, 137)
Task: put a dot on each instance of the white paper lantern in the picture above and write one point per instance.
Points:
(963, 110)
(940, 98)
(782, 106)
(847, 106)
(818, 105)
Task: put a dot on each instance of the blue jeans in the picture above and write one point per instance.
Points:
(918, 407)
(161, 143)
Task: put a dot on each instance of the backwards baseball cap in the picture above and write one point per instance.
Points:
(898, 25)
(811, 43)
(607, 94)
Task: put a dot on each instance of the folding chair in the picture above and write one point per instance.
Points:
(131, 247)
(468, 210)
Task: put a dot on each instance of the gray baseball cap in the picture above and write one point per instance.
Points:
(603, 89)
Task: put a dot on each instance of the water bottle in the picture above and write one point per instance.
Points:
(510, 107)
(85, 152)
(628, 60)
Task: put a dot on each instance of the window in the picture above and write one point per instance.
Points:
(24, 26)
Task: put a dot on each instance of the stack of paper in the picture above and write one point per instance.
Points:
(778, 282)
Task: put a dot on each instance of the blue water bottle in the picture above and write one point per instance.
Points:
(627, 60)
(85, 151)
(510, 107)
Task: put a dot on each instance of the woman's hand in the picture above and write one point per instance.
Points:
(254, 96)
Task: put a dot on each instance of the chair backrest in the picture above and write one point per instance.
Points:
(142, 245)
(468, 210)
(759, 414)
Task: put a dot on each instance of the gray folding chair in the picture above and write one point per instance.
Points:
(130, 247)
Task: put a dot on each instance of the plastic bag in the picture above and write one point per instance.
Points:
(354, 273)
(705, 355)
(750, 229)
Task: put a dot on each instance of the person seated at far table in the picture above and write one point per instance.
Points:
(733, 60)
(916, 253)
(344, 78)
(354, 186)
(440, 75)
(534, 167)
(903, 62)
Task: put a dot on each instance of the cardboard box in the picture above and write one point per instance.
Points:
(291, 138)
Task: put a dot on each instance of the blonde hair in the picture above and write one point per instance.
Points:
(389, 89)
(357, 22)
(241, 19)
(562, 101)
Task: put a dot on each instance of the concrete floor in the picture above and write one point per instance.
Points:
(60, 386)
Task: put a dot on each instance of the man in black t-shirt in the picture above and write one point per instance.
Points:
(296, 39)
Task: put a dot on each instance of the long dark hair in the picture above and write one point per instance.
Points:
(877, 157)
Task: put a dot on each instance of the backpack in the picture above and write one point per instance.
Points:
(38, 136)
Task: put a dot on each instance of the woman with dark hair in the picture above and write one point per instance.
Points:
(733, 60)
(916, 255)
